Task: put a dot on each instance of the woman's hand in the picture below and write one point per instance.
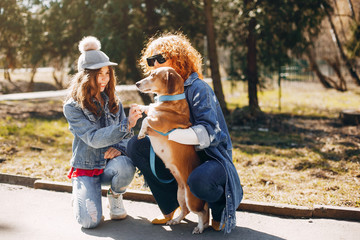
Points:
(111, 153)
(134, 114)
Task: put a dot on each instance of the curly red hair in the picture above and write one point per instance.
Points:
(185, 59)
(84, 87)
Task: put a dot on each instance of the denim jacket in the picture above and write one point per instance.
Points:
(93, 135)
(211, 129)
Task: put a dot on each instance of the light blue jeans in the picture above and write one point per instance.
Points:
(86, 194)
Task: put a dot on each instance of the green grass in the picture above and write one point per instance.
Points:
(305, 99)
(35, 147)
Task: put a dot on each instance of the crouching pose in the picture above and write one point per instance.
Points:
(101, 130)
(215, 180)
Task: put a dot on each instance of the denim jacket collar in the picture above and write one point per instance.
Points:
(99, 107)
(105, 97)
(191, 79)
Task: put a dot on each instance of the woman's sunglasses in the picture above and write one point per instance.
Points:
(158, 57)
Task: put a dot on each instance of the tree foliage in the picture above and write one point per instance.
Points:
(261, 36)
(12, 28)
(280, 29)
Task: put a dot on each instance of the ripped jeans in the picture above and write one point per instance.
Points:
(86, 191)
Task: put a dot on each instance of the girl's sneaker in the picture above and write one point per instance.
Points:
(116, 205)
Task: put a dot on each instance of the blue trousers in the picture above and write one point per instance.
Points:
(206, 182)
(86, 194)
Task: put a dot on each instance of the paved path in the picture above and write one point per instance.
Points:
(27, 213)
(53, 94)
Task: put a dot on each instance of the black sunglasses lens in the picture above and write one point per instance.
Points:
(160, 59)
(151, 60)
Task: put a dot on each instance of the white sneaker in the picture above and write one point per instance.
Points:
(116, 205)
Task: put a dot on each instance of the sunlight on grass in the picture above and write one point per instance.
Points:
(43, 148)
(307, 99)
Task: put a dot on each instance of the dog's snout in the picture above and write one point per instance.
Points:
(137, 84)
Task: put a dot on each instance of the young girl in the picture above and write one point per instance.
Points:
(216, 180)
(101, 130)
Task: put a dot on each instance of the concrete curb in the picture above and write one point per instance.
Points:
(17, 180)
(284, 210)
(276, 209)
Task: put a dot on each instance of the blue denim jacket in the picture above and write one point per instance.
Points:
(93, 135)
(211, 129)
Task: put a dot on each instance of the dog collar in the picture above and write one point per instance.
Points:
(164, 98)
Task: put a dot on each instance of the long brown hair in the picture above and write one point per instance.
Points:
(84, 87)
(177, 48)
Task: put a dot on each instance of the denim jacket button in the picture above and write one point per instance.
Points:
(229, 196)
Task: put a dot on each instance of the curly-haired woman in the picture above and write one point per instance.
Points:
(97, 120)
(216, 180)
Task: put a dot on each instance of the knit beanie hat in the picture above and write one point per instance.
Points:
(91, 57)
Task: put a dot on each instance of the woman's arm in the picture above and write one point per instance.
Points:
(203, 104)
(88, 132)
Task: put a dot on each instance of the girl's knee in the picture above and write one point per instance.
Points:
(88, 222)
(123, 173)
(89, 216)
(124, 166)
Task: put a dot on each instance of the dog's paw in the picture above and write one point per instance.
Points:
(172, 222)
(141, 135)
(197, 230)
(144, 108)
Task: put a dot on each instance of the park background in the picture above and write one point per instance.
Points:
(283, 72)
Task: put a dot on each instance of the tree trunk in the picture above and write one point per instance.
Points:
(252, 74)
(327, 82)
(130, 55)
(335, 65)
(212, 52)
(151, 17)
(340, 20)
(315, 68)
(342, 54)
(30, 87)
(58, 82)
(7, 74)
(352, 10)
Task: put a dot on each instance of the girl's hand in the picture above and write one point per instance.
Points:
(134, 114)
(111, 153)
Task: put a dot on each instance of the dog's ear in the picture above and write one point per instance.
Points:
(171, 82)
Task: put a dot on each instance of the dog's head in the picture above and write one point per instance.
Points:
(162, 81)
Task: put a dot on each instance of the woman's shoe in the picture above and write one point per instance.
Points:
(216, 225)
(164, 219)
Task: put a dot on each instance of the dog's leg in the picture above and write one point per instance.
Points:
(200, 208)
(143, 130)
(203, 216)
(184, 210)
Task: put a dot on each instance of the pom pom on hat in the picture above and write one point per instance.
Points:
(89, 43)
(91, 57)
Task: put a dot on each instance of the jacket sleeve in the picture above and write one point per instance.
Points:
(203, 108)
(121, 145)
(88, 131)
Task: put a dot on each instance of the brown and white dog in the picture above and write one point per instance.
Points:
(179, 158)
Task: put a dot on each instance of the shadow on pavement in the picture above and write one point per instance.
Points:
(141, 228)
